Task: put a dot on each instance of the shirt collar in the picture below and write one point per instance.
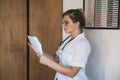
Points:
(81, 35)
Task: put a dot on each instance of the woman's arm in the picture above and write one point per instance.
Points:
(52, 57)
(70, 71)
(51, 61)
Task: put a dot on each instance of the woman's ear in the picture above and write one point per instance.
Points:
(78, 23)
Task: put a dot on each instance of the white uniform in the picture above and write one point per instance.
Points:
(74, 53)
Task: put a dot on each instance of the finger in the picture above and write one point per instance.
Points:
(29, 44)
(39, 55)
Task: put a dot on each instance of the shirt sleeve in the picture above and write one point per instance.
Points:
(80, 55)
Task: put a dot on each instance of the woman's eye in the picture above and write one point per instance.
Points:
(65, 23)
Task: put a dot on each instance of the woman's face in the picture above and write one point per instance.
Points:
(68, 25)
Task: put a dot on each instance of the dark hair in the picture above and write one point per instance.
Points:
(76, 15)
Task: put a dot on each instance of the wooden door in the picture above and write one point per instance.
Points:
(45, 23)
(13, 40)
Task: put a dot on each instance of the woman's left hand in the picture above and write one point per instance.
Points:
(43, 59)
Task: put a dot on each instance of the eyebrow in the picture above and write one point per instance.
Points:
(65, 20)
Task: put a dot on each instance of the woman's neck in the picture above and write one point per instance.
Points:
(75, 34)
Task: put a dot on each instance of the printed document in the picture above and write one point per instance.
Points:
(36, 45)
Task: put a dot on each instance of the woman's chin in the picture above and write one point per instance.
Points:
(66, 32)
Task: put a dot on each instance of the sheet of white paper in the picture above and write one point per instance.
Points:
(37, 47)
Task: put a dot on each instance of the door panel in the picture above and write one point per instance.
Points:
(13, 40)
(45, 23)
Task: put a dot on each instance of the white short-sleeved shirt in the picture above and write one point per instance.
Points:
(75, 53)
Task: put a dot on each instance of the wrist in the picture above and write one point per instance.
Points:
(50, 63)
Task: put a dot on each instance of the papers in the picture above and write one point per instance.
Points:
(36, 45)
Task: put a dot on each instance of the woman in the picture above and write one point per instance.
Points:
(72, 54)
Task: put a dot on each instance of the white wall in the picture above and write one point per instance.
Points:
(103, 62)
